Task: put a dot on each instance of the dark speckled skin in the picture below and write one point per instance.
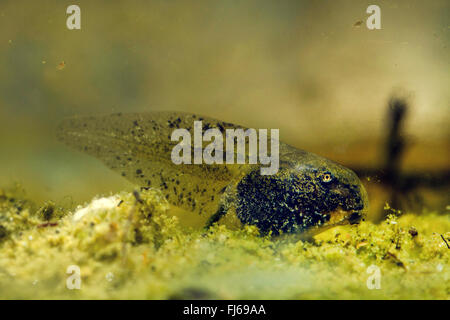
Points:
(295, 200)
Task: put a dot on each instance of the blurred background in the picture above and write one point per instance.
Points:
(309, 68)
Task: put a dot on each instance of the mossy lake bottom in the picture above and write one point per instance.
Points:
(128, 249)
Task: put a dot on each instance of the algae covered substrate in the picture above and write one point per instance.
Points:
(120, 246)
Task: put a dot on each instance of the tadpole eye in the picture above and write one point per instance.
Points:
(326, 177)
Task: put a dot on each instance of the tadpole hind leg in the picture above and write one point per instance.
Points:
(221, 211)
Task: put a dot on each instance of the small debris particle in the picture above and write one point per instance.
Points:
(357, 24)
(396, 260)
(361, 244)
(137, 196)
(413, 232)
(61, 65)
(109, 276)
(48, 224)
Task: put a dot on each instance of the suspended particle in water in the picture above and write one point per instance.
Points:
(61, 65)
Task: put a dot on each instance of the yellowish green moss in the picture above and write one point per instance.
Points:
(138, 249)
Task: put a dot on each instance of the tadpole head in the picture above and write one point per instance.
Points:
(304, 196)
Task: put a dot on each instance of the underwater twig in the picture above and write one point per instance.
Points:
(394, 150)
(445, 241)
(395, 144)
(403, 186)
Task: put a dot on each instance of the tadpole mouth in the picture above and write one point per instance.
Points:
(341, 217)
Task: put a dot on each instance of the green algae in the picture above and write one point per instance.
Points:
(134, 247)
